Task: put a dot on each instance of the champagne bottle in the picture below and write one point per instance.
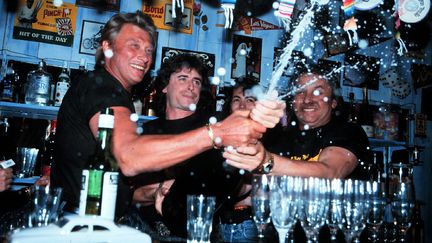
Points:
(366, 115)
(62, 86)
(220, 98)
(352, 110)
(47, 157)
(150, 104)
(100, 178)
(8, 84)
(38, 86)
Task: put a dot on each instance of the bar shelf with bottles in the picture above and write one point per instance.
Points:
(14, 105)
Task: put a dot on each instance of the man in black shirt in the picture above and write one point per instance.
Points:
(318, 144)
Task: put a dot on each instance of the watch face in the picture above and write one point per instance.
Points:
(267, 168)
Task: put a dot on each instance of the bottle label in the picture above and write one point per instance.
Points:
(61, 89)
(83, 193)
(106, 121)
(109, 194)
(369, 130)
(99, 184)
(46, 170)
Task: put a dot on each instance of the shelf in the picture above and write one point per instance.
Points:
(386, 143)
(10, 109)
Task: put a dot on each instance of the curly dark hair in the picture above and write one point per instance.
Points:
(113, 26)
(175, 64)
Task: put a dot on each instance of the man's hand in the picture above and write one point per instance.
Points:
(245, 157)
(268, 112)
(5, 179)
(237, 130)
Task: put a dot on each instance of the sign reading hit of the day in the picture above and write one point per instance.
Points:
(43, 21)
(161, 13)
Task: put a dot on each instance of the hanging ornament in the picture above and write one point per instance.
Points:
(351, 25)
(283, 12)
(402, 47)
(174, 7)
(228, 7)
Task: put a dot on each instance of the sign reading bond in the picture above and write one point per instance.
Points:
(42, 21)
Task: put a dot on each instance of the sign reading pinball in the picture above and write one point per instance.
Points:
(161, 11)
(43, 21)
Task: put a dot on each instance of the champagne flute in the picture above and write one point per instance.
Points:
(261, 203)
(377, 203)
(283, 204)
(335, 212)
(402, 208)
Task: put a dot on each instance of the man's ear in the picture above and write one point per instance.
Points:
(105, 45)
(165, 90)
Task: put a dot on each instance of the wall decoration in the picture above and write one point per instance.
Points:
(421, 75)
(248, 24)
(41, 21)
(246, 53)
(208, 58)
(90, 37)
(426, 102)
(105, 5)
(161, 13)
(361, 71)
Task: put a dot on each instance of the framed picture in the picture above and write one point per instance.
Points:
(90, 36)
(246, 54)
(208, 58)
(361, 71)
(105, 5)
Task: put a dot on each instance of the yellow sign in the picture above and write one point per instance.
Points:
(161, 13)
(41, 20)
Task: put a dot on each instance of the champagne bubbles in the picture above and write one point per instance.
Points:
(308, 52)
(231, 60)
(243, 52)
(241, 172)
(108, 53)
(192, 107)
(233, 83)
(134, 117)
(57, 3)
(275, 5)
(212, 120)
(326, 99)
(316, 92)
(215, 80)
(293, 123)
(306, 127)
(221, 71)
(218, 140)
(139, 130)
(363, 44)
(230, 148)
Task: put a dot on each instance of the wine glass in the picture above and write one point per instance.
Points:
(402, 208)
(283, 204)
(316, 205)
(355, 209)
(335, 212)
(261, 202)
(377, 204)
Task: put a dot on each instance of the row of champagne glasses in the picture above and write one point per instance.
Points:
(346, 205)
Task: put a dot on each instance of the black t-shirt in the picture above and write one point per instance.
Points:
(307, 145)
(204, 173)
(75, 143)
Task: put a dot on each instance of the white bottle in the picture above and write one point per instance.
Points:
(62, 85)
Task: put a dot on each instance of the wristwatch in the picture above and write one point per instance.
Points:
(266, 167)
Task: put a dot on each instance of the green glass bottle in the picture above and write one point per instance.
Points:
(100, 178)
